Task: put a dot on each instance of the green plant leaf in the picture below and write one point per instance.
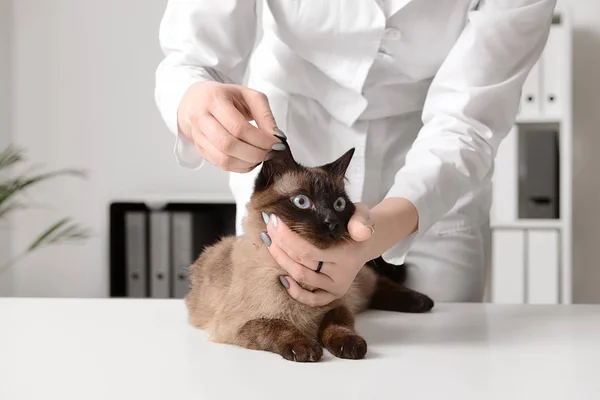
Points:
(61, 231)
(14, 186)
(5, 209)
(10, 156)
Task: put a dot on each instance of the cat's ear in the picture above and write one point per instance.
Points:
(277, 163)
(339, 167)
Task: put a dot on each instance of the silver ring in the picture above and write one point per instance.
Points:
(319, 266)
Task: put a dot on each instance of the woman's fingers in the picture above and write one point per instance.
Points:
(217, 118)
(299, 272)
(317, 298)
(228, 144)
(258, 105)
(237, 125)
(216, 157)
(360, 226)
(298, 249)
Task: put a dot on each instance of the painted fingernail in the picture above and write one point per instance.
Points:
(284, 282)
(266, 218)
(279, 133)
(275, 220)
(278, 147)
(265, 238)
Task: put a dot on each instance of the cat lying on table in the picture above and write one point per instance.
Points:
(235, 290)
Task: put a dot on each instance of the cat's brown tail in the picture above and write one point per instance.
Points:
(396, 273)
(391, 296)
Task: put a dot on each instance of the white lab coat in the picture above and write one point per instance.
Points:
(425, 90)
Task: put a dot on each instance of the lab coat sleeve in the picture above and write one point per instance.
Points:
(471, 106)
(202, 40)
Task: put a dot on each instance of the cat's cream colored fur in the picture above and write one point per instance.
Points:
(237, 280)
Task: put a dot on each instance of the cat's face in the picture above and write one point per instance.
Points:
(311, 201)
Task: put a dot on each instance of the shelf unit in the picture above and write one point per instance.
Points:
(160, 200)
(531, 260)
(154, 238)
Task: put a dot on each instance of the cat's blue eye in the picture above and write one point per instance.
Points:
(339, 204)
(301, 201)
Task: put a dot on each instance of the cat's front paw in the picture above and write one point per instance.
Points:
(303, 350)
(349, 346)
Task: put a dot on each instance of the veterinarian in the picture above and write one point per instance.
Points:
(425, 90)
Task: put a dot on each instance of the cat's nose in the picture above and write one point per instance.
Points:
(332, 223)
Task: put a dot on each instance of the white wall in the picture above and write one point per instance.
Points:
(83, 84)
(5, 78)
(586, 236)
(84, 80)
(5, 104)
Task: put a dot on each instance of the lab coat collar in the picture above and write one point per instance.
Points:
(391, 7)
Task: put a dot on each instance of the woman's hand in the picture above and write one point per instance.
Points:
(300, 259)
(215, 117)
(395, 220)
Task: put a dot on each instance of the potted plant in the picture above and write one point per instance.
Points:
(14, 185)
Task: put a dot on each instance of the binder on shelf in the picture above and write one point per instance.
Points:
(182, 253)
(508, 266)
(152, 248)
(160, 259)
(505, 180)
(531, 95)
(539, 172)
(136, 254)
(192, 232)
(554, 70)
(543, 266)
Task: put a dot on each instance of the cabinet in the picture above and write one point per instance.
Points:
(526, 266)
(531, 215)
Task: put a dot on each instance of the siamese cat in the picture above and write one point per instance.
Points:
(235, 290)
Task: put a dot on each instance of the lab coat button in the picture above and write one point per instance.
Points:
(393, 33)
